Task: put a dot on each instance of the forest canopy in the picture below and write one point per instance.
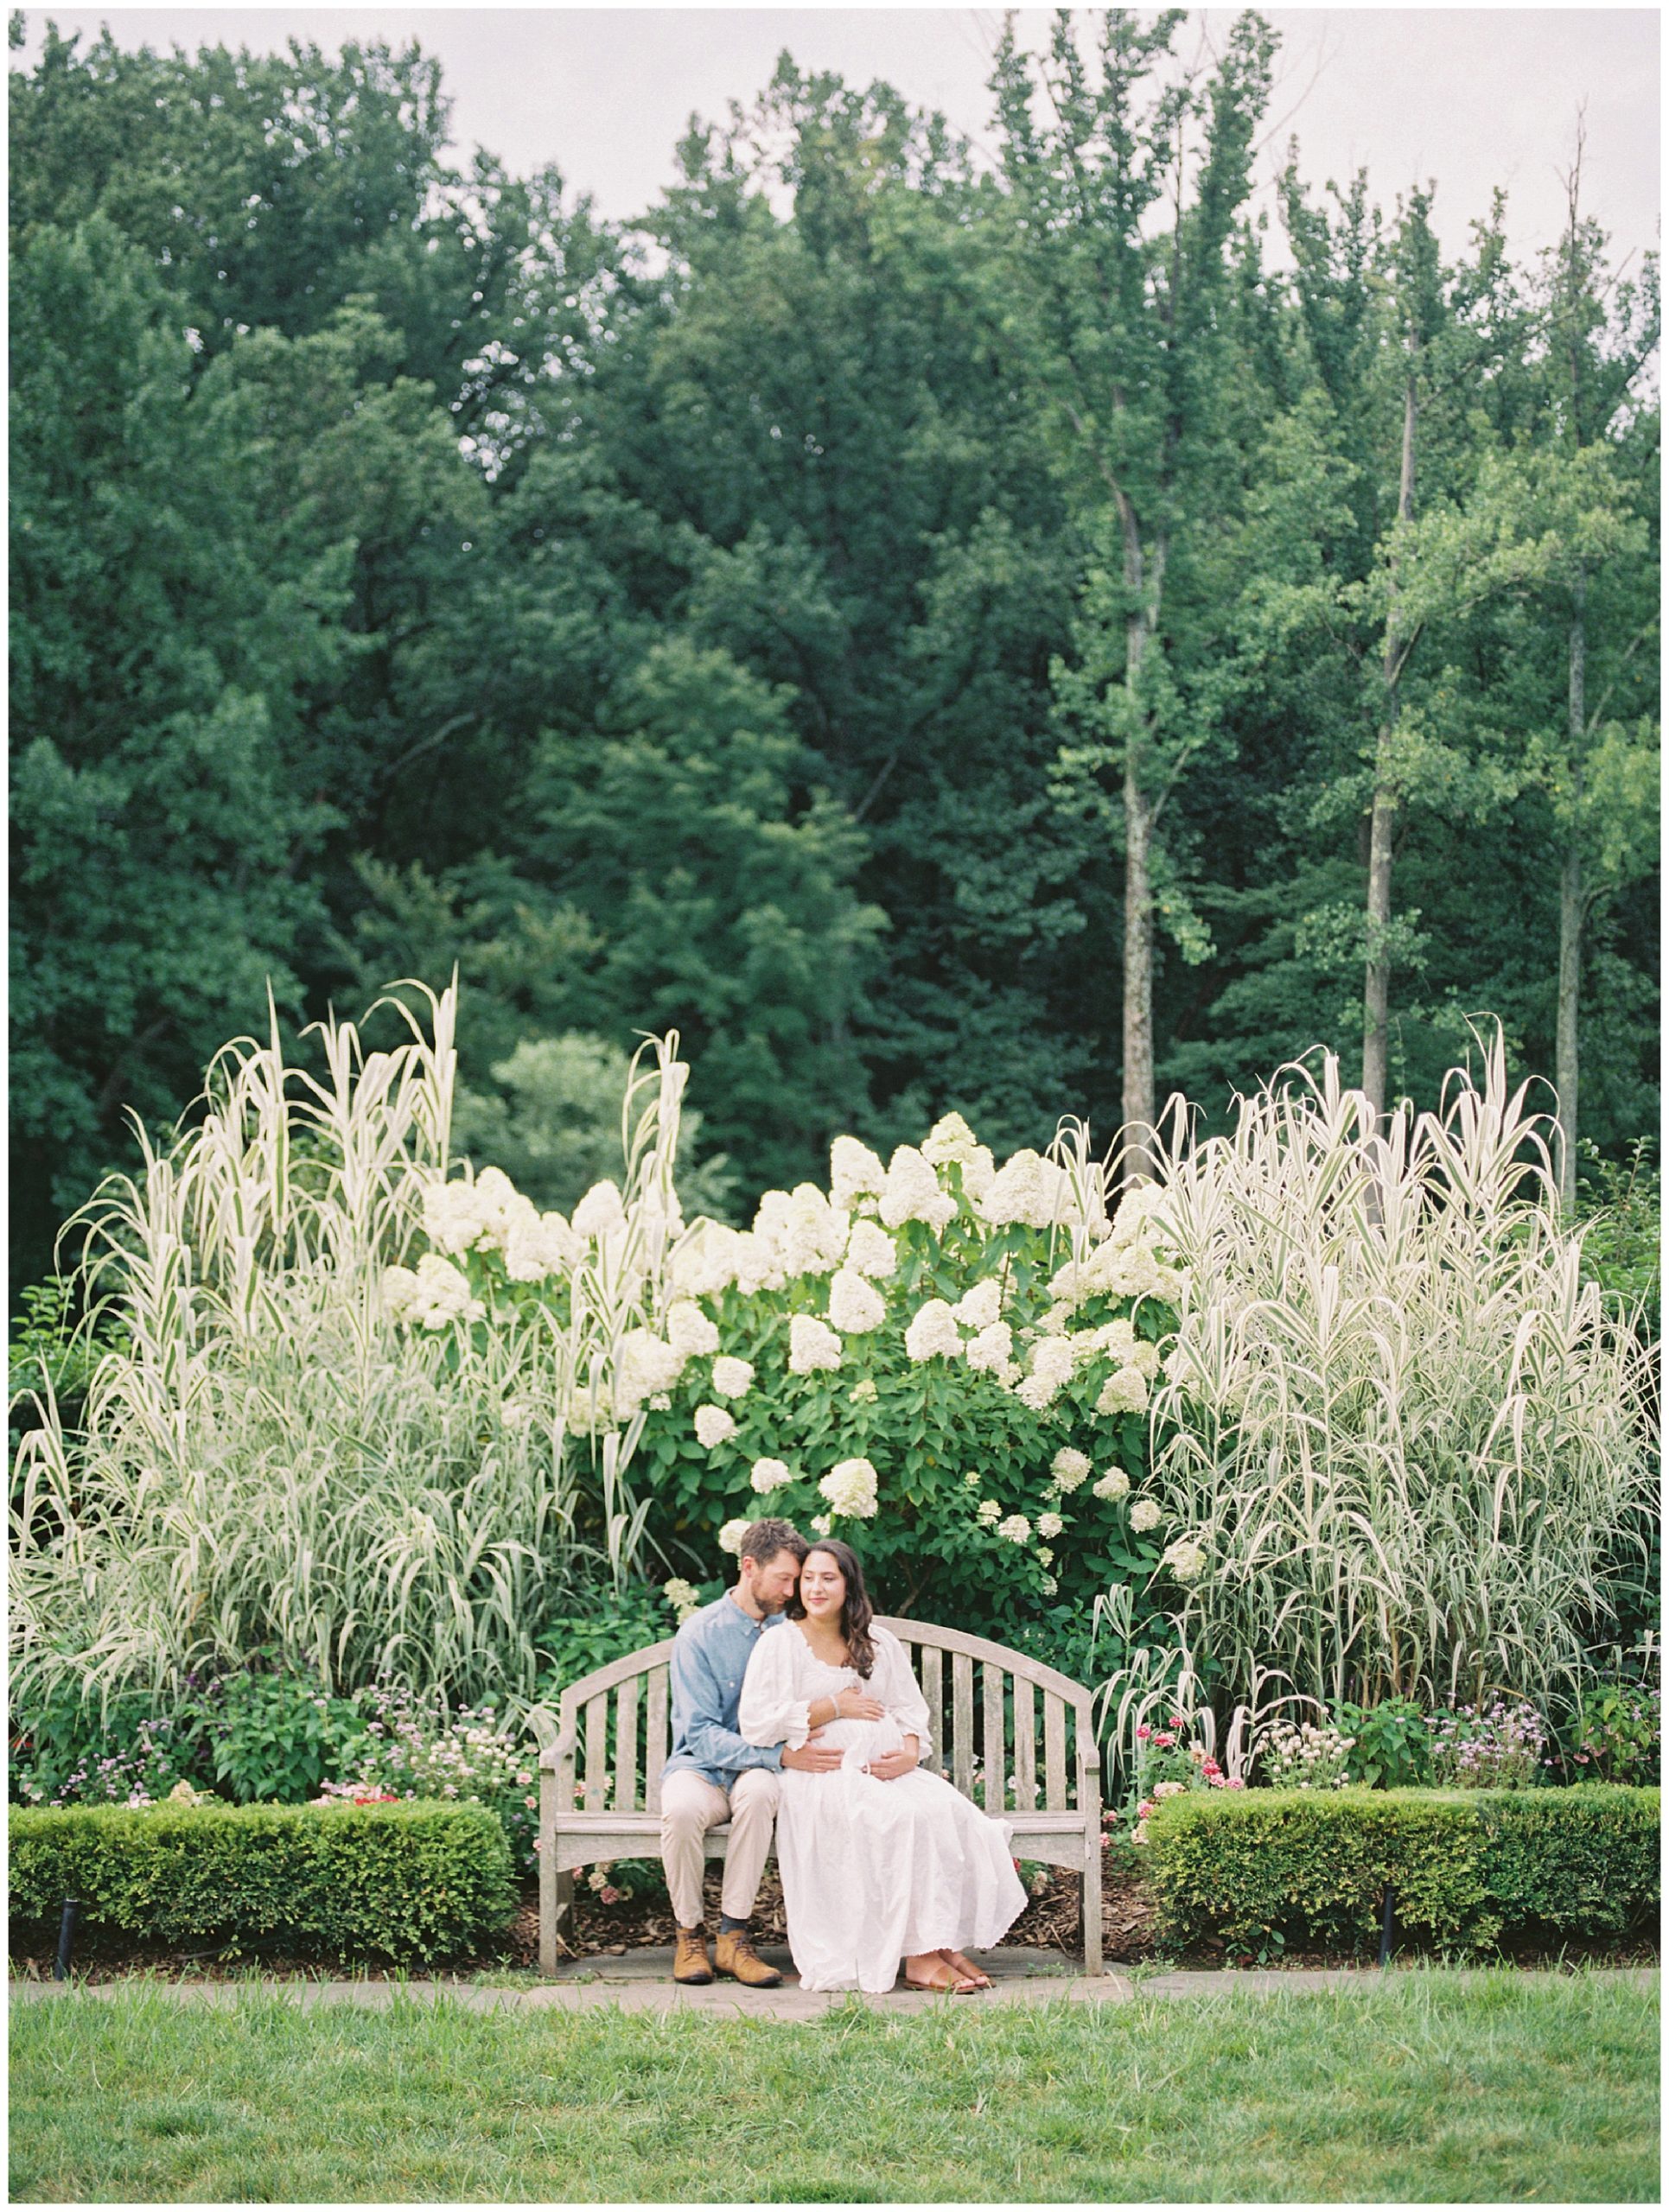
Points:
(1020, 638)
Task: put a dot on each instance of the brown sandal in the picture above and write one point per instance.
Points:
(961, 1964)
(957, 1985)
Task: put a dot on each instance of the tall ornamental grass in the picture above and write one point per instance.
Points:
(1404, 1439)
(275, 1454)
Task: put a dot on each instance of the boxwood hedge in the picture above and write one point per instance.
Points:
(402, 1883)
(1270, 1867)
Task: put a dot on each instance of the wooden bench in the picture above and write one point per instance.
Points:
(609, 1808)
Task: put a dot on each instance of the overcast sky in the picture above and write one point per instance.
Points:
(1472, 97)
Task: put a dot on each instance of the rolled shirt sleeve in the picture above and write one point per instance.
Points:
(769, 1711)
(698, 1694)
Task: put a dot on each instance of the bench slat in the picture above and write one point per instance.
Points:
(997, 1765)
(1025, 1745)
(962, 1740)
(625, 1746)
(596, 1752)
(654, 1750)
(1054, 1751)
(933, 1688)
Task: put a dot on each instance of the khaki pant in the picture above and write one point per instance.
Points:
(690, 1805)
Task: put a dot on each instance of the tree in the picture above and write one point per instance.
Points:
(1123, 329)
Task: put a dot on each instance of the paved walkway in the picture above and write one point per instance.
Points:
(642, 1982)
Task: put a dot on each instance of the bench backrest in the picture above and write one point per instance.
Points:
(616, 1726)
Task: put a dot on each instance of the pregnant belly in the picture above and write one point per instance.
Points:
(863, 1739)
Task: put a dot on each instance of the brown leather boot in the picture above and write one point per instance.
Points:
(734, 1954)
(691, 1963)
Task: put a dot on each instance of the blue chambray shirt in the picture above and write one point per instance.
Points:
(710, 1657)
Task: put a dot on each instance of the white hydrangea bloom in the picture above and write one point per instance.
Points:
(1114, 1484)
(1050, 1586)
(454, 1215)
(759, 1265)
(1146, 1358)
(993, 1348)
(972, 1480)
(811, 1235)
(1068, 1467)
(589, 1411)
(978, 1307)
(812, 1344)
(1124, 1391)
(540, 1244)
(769, 1474)
(714, 1426)
(1052, 1363)
(1179, 1364)
(440, 1295)
(912, 1192)
(855, 1173)
(689, 1329)
(1045, 1556)
(516, 1413)
(851, 1488)
(1185, 1559)
(601, 1209)
(862, 1392)
(1117, 1339)
(855, 1306)
(990, 1512)
(1144, 1514)
(821, 1523)
(731, 1536)
(1026, 1188)
(949, 1139)
(870, 1251)
(683, 1597)
(1014, 1530)
(1139, 1215)
(732, 1378)
(932, 1333)
(704, 1263)
(644, 1365)
(1050, 1524)
(1036, 1391)
(1070, 1285)
(1056, 1320)
(396, 1289)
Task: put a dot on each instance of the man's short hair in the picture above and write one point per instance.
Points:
(763, 1539)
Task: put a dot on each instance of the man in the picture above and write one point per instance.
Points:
(713, 1773)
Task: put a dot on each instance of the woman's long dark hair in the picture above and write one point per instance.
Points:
(856, 1611)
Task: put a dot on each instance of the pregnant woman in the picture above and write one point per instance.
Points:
(881, 1860)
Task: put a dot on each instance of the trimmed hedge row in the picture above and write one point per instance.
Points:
(1467, 1865)
(407, 1882)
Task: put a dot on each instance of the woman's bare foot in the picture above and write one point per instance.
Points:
(960, 1963)
(933, 1970)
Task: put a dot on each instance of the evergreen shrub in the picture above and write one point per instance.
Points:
(406, 1883)
(1270, 1868)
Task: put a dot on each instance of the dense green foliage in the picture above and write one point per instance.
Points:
(395, 1882)
(723, 622)
(1266, 1868)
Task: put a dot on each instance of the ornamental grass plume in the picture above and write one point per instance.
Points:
(1419, 1443)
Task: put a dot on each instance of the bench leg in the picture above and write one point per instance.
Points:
(1090, 1891)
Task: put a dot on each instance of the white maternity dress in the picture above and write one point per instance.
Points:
(873, 1872)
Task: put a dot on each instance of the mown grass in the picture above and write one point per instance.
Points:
(1428, 2088)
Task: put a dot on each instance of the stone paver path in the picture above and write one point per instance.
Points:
(642, 1982)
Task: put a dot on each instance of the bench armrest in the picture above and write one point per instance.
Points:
(552, 1755)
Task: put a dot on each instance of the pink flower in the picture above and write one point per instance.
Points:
(1164, 1741)
(1145, 1809)
(1235, 1783)
(611, 1895)
(1144, 1733)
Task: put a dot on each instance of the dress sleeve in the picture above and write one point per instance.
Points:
(769, 1711)
(895, 1685)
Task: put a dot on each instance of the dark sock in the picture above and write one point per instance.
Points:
(727, 1926)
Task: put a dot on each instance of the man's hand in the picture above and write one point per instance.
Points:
(812, 1757)
(891, 1764)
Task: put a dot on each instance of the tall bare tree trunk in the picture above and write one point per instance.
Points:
(1376, 993)
(1146, 582)
(1566, 1064)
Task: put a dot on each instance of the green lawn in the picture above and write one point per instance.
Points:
(1427, 2087)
